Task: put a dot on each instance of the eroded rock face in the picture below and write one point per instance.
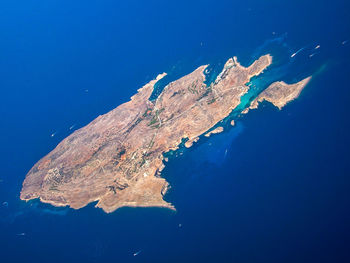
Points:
(117, 158)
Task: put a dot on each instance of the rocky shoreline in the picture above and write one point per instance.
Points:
(117, 159)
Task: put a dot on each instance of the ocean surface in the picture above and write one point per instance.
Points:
(273, 188)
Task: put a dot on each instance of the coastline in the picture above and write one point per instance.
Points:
(186, 108)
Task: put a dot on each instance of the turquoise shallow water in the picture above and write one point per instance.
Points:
(273, 188)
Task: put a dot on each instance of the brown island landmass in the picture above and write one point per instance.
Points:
(117, 159)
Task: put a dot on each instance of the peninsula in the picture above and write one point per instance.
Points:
(117, 159)
(280, 93)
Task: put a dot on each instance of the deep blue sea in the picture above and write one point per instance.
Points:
(273, 188)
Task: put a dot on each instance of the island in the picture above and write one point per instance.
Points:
(280, 93)
(117, 159)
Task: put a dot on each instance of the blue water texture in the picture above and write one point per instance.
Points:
(272, 188)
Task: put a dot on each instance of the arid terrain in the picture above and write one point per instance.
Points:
(117, 159)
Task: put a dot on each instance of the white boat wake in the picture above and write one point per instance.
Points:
(296, 53)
